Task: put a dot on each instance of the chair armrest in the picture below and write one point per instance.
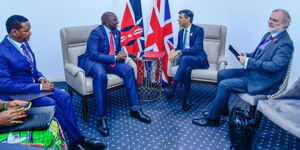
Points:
(222, 62)
(73, 69)
(131, 63)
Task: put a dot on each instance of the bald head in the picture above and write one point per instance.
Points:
(110, 20)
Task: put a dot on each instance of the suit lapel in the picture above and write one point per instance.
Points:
(191, 34)
(272, 44)
(16, 52)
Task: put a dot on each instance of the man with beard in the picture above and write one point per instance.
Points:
(264, 69)
(103, 55)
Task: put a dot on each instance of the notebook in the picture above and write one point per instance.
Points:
(38, 118)
(29, 96)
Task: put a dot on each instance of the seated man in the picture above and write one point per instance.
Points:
(193, 56)
(52, 138)
(264, 71)
(103, 55)
(19, 74)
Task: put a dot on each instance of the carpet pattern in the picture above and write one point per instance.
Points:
(171, 127)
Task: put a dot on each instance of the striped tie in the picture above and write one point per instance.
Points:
(111, 47)
(27, 54)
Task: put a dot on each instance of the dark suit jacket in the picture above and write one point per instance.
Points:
(266, 71)
(196, 44)
(16, 75)
(97, 50)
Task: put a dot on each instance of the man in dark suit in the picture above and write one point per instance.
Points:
(103, 55)
(193, 56)
(19, 74)
(264, 70)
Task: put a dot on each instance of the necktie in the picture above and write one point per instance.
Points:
(111, 47)
(27, 55)
(184, 37)
(264, 44)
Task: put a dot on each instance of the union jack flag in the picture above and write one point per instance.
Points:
(160, 33)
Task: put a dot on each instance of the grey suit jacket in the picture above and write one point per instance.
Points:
(266, 71)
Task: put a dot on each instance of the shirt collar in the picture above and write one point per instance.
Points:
(188, 28)
(275, 34)
(15, 43)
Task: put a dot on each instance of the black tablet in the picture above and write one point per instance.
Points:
(234, 52)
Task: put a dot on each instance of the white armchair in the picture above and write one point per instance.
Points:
(73, 42)
(214, 46)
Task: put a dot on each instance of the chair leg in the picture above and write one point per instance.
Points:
(70, 91)
(258, 119)
(252, 111)
(84, 108)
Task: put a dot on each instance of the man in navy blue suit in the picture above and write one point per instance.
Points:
(193, 56)
(264, 69)
(19, 74)
(103, 55)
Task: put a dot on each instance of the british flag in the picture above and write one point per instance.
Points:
(160, 33)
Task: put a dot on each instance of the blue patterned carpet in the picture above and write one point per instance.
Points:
(171, 127)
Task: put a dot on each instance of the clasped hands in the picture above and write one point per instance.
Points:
(46, 85)
(121, 56)
(173, 53)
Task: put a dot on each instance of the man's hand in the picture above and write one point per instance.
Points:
(44, 80)
(48, 86)
(173, 54)
(15, 103)
(121, 56)
(11, 116)
(242, 58)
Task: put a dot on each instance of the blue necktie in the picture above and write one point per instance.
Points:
(27, 55)
(264, 44)
(184, 37)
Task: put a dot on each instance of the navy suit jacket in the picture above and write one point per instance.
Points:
(267, 70)
(16, 75)
(97, 50)
(196, 44)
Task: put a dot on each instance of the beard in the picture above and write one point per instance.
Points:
(275, 29)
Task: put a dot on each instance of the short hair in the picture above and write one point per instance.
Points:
(15, 22)
(187, 13)
(286, 16)
(105, 17)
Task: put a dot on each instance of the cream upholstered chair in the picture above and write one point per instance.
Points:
(73, 42)
(253, 99)
(214, 46)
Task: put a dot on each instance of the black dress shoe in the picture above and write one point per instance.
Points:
(103, 127)
(76, 147)
(140, 115)
(186, 104)
(93, 144)
(169, 92)
(204, 121)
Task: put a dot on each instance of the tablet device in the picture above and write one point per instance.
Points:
(29, 96)
(234, 52)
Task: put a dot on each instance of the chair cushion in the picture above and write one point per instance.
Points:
(113, 81)
(209, 74)
(284, 112)
(293, 92)
(252, 99)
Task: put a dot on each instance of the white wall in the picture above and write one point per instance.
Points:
(246, 22)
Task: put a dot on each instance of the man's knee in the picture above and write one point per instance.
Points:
(220, 75)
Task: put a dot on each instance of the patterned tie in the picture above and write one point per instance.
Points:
(263, 45)
(111, 47)
(27, 54)
(184, 37)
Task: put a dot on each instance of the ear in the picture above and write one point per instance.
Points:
(285, 25)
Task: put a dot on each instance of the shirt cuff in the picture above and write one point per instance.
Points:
(40, 78)
(246, 63)
(41, 87)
